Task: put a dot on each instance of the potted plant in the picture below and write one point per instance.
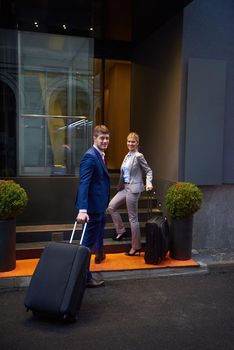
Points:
(13, 199)
(182, 200)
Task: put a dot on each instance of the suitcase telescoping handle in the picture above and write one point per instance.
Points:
(151, 198)
(73, 232)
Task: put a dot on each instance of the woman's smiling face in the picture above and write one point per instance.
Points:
(132, 144)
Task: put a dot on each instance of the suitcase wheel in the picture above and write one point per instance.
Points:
(70, 318)
(35, 314)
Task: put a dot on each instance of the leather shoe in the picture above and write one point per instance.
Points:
(99, 258)
(92, 283)
(134, 252)
(119, 237)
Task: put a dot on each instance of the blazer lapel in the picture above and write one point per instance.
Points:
(101, 160)
(131, 165)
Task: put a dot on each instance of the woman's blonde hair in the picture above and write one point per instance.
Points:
(134, 136)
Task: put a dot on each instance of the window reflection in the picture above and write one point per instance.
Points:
(56, 103)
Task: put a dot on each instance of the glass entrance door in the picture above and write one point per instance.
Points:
(55, 114)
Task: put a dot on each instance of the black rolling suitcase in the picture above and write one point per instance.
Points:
(156, 233)
(58, 283)
(157, 236)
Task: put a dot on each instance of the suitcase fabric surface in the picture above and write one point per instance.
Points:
(157, 237)
(58, 283)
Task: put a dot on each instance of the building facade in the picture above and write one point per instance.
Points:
(170, 78)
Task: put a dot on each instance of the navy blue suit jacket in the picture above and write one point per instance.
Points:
(94, 189)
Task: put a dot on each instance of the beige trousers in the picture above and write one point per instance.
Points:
(131, 200)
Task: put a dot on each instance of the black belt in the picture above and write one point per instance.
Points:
(126, 183)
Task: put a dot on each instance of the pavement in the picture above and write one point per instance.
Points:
(210, 261)
(220, 259)
(184, 311)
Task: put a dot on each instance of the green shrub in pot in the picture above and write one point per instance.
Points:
(183, 199)
(13, 199)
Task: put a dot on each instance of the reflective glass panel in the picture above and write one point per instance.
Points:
(55, 103)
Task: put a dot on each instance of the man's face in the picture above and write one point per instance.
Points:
(101, 141)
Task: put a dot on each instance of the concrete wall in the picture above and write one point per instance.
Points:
(208, 36)
(51, 200)
(205, 106)
(213, 223)
(156, 90)
(117, 112)
(160, 111)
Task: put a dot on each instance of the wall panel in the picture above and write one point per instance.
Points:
(205, 121)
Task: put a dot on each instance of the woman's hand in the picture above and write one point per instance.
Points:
(149, 188)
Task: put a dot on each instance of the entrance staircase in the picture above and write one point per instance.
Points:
(31, 240)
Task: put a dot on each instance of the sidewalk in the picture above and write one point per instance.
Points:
(204, 261)
(221, 259)
(182, 312)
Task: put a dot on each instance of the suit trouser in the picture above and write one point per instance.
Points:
(131, 200)
(93, 236)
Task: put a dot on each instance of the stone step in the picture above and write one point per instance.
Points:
(31, 240)
(33, 250)
(41, 233)
(45, 233)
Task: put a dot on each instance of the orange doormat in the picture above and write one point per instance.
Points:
(120, 261)
(113, 262)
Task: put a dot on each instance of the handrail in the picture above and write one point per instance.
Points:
(53, 116)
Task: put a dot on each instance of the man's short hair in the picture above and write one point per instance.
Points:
(100, 129)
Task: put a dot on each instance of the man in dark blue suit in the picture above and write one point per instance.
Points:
(93, 196)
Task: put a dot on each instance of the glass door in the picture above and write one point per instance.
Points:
(55, 114)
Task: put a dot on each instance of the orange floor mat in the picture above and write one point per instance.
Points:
(113, 262)
(119, 262)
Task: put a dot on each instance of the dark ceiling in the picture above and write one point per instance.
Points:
(123, 20)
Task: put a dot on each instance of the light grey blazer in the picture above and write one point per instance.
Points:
(138, 167)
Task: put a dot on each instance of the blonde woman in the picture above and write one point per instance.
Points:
(131, 184)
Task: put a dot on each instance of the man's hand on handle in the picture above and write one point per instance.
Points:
(82, 217)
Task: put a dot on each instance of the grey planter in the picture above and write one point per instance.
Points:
(181, 238)
(7, 245)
